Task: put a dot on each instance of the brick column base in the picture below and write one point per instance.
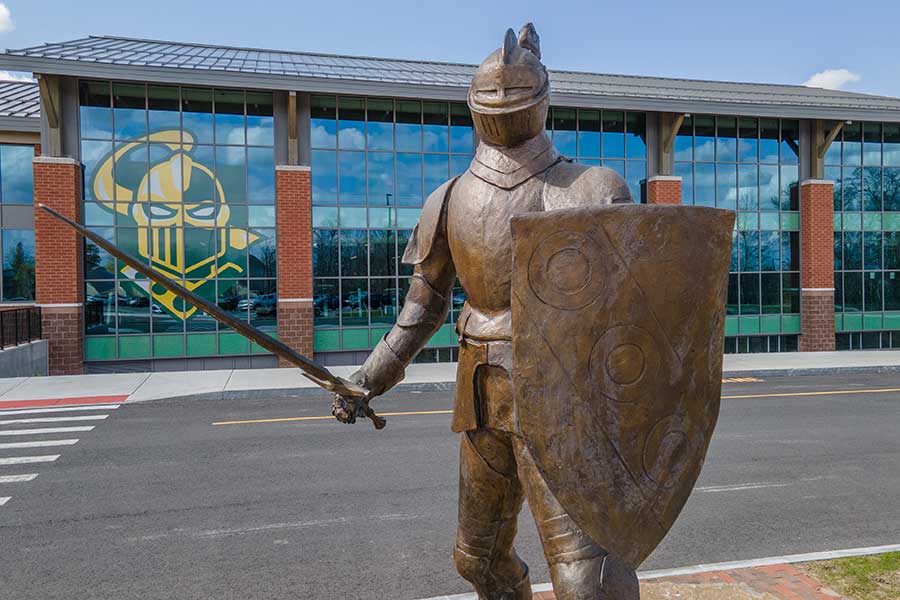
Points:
(664, 189)
(817, 321)
(295, 327)
(62, 328)
(816, 266)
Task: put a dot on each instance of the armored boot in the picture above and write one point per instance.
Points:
(490, 498)
(579, 568)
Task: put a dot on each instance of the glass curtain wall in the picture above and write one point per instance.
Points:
(183, 178)
(751, 166)
(610, 138)
(16, 228)
(864, 163)
(374, 162)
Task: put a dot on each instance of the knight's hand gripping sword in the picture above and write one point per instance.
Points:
(316, 373)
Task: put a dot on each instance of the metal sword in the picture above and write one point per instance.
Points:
(309, 369)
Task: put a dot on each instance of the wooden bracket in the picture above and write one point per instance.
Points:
(832, 135)
(293, 149)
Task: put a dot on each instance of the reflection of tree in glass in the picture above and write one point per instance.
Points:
(263, 259)
(19, 275)
(892, 189)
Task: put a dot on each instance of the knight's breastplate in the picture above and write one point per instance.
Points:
(478, 217)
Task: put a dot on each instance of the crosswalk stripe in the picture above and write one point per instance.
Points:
(46, 430)
(4, 500)
(17, 478)
(38, 444)
(53, 419)
(55, 409)
(21, 460)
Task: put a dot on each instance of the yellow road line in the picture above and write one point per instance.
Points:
(822, 393)
(319, 418)
(447, 412)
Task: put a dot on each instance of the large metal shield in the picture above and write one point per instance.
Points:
(618, 328)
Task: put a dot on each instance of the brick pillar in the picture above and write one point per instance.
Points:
(58, 260)
(816, 266)
(293, 218)
(664, 189)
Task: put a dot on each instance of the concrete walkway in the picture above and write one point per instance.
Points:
(138, 387)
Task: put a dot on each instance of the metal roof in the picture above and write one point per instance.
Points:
(20, 106)
(202, 64)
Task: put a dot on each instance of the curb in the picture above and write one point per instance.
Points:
(800, 372)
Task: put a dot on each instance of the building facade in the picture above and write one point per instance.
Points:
(284, 187)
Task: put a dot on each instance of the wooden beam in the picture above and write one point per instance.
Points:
(823, 147)
(49, 90)
(670, 135)
(293, 150)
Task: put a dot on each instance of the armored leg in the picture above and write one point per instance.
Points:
(579, 568)
(490, 498)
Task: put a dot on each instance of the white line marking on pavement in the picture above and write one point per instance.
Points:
(740, 487)
(21, 460)
(17, 478)
(53, 419)
(4, 500)
(46, 430)
(40, 444)
(725, 566)
(32, 411)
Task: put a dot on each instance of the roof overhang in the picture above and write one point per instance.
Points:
(21, 124)
(241, 79)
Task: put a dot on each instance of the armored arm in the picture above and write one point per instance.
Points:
(427, 300)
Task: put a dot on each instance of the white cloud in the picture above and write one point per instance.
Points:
(15, 76)
(832, 79)
(6, 22)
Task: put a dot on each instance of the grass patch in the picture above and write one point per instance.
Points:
(861, 577)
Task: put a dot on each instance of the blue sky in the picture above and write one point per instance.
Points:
(763, 41)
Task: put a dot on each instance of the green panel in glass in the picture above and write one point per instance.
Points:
(355, 339)
(443, 337)
(731, 325)
(892, 320)
(853, 321)
(99, 347)
(769, 221)
(353, 217)
(891, 222)
(324, 216)
(201, 344)
(872, 221)
(257, 349)
(838, 321)
(325, 340)
(233, 343)
(749, 325)
(790, 323)
(407, 217)
(376, 333)
(167, 346)
(381, 218)
(134, 346)
(837, 221)
(748, 221)
(852, 221)
(790, 221)
(770, 324)
(873, 321)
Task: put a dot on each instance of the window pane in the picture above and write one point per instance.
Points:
(891, 189)
(354, 252)
(748, 187)
(351, 123)
(852, 133)
(704, 184)
(768, 142)
(324, 177)
(790, 142)
(229, 121)
(164, 104)
(852, 189)
(726, 141)
(769, 247)
(196, 116)
(771, 293)
(382, 253)
(872, 292)
(748, 249)
(323, 122)
(852, 250)
(409, 125)
(726, 186)
(790, 189)
(352, 170)
(872, 144)
(17, 174)
(461, 136)
(354, 302)
(436, 131)
(589, 133)
(892, 291)
(95, 110)
(437, 171)
(260, 119)
(684, 141)
(231, 171)
(261, 175)
(409, 180)
(892, 145)
(325, 253)
(380, 124)
(326, 302)
(18, 265)
(564, 136)
(750, 295)
(872, 250)
(613, 144)
(129, 111)
(686, 172)
(748, 142)
(872, 188)
(704, 139)
(636, 143)
(853, 291)
(381, 179)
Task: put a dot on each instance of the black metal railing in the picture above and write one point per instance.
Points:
(19, 326)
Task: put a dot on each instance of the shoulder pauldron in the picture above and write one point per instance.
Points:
(430, 221)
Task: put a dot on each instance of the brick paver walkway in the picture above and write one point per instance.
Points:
(778, 582)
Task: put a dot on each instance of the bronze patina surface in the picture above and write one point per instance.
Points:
(618, 327)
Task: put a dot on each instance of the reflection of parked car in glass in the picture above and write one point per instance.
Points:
(325, 302)
(138, 301)
(459, 298)
(228, 302)
(155, 309)
(266, 304)
(357, 299)
(246, 303)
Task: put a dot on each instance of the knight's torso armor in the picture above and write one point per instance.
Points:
(499, 184)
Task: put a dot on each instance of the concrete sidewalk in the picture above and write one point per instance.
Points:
(255, 383)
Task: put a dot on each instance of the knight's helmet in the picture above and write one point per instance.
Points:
(510, 92)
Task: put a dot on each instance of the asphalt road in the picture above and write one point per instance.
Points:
(156, 501)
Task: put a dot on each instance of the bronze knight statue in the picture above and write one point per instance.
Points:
(465, 231)
(590, 345)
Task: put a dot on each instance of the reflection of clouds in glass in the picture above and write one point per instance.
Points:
(259, 136)
(705, 149)
(891, 155)
(352, 138)
(321, 137)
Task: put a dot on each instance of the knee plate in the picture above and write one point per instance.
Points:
(600, 578)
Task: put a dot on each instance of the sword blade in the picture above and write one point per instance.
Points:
(311, 370)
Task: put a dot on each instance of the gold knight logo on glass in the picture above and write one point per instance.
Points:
(181, 213)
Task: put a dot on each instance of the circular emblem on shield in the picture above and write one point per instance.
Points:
(565, 271)
(624, 360)
(667, 451)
